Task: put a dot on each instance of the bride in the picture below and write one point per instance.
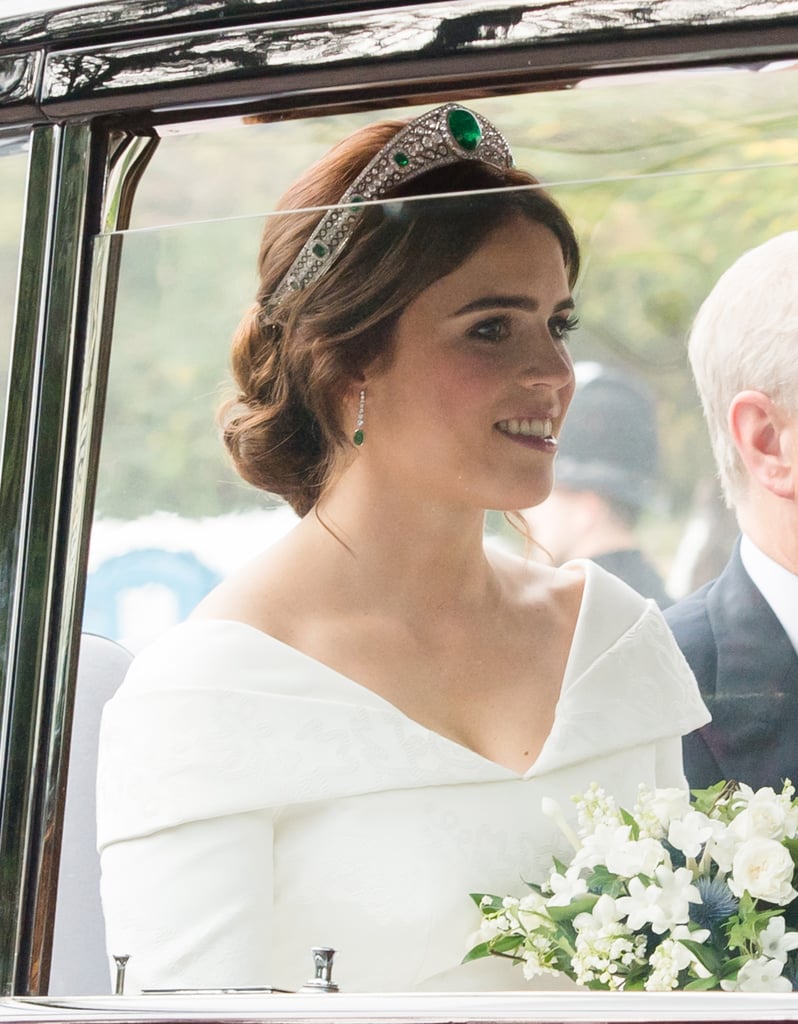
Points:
(356, 730)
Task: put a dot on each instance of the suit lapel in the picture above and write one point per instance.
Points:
(754, 732)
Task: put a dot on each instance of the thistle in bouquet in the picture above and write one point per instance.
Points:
(676, 894)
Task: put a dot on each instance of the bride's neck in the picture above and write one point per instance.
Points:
(412, 552)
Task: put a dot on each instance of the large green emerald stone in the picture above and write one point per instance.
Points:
(464, 128)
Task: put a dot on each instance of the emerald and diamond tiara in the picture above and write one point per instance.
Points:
(443, 136)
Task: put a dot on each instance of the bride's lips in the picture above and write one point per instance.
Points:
(529, 432)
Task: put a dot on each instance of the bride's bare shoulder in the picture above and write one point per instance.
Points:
(259, 593)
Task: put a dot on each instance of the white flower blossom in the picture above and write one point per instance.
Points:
(737, 848)
(659, 807)
(776, 942)
(553, 810)
(667, 960)
(635, 857)
(605, 913)
(759, 975)
(493, 926)
(532, 911)
(602, 845)
(722, 846)
(596, 808)
(663, 905)
(534, 964)
(763, 868)
(605, 948)
(690, 833)
(567, 887)
(765, 813)
(670, 958)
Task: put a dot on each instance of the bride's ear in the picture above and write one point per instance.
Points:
(764, 434)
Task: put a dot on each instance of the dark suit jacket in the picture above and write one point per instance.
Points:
(747, 670)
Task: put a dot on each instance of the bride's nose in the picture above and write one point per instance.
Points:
(547, 362)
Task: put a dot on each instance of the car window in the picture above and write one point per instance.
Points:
(707, 148)
(13, 167)
(667, 178)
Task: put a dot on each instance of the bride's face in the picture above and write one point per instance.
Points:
(469, 409)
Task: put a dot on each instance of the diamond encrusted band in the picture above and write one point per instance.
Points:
(445, 135)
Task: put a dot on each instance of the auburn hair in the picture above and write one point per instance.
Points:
(292, 365)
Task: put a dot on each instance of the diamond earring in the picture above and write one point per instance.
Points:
(359, 437)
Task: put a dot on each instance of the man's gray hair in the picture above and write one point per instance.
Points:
(745, 336)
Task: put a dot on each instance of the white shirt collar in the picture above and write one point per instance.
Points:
(778, 586)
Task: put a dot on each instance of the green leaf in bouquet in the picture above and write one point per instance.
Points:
(706, 955)
(792, 847)
(731, 967)
(702, 984)
(706, 800)
(505, 943)
(636, 978)
(582, 905)
(742, 930)
(486, 901)
(561, 958)
(628, 819)
(477, 953)
(559, 867)
(602, 880)
(595, 985)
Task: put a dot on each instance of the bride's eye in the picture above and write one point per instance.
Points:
(495, 329)
(561, 327)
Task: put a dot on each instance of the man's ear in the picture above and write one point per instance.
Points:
(760, 429)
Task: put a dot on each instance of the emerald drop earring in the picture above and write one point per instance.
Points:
(358, 437)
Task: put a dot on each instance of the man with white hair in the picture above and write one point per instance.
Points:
(740, 632)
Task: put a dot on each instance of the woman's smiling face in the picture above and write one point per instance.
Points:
(468, 411)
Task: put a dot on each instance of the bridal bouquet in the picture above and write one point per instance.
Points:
(675, 895)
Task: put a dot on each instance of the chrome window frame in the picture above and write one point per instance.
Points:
(95, 81)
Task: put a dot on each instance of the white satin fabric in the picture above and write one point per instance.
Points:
(253, 802)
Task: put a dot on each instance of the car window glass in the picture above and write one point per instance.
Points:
(667, 180)
(706, 148)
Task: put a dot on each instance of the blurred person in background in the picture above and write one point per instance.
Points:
(606, 477)
(740, 631)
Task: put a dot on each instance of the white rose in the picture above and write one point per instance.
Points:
(763, 868)
(766, 814)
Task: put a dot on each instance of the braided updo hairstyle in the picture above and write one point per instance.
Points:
(293, 365)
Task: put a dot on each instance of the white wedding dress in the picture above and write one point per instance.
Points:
(254, 803)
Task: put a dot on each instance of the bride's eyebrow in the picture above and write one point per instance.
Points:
(523, 302)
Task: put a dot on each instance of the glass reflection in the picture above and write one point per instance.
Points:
(13, 168)
(167, 496)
